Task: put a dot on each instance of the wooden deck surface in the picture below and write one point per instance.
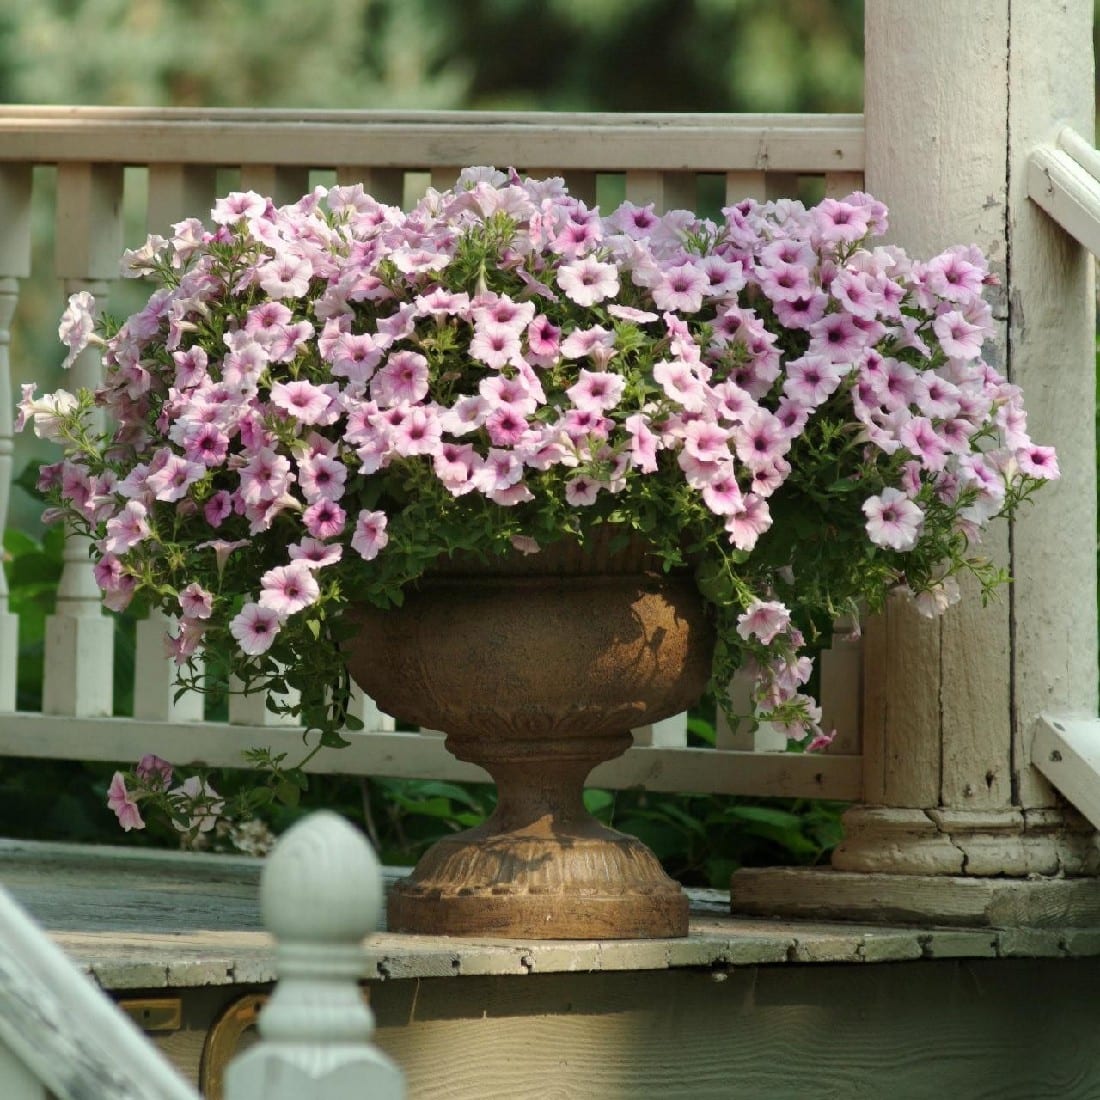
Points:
(138, 918)
(740, 1008)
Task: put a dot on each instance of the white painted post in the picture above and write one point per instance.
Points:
(155, 685)
(79, 670)
(957, 98)
(15, 263)
(321, 894)
(952, 703)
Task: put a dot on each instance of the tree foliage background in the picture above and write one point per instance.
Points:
(584, 55)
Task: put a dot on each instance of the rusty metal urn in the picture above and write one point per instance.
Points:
(537, 669)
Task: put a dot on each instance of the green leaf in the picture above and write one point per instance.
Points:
(288, 793)
(596, 800)
(766, 815)
(331, 739)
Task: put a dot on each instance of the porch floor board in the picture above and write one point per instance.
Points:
(143, 918)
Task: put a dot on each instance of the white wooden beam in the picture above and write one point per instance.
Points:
(1067, 752)
(611, 142)
(1068, 191)
(66, 1032)
(414, 755)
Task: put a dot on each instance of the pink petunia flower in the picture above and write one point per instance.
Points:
(681, 383)
(681, 288)
(255, 628)
(596, 391)
(316, 554)
(763, 619)
(595, 343)
(321, 477)
(127, 529)
(324, 519)
(217, 508)
(286, 276)
(370, 536)
(288, 589)
(154, 772)
(496, 345)
(893, 520)
(306, 402)
(1040, 462)
(199, 803)
(957, 336)
(588, 281)
(123, 804)
(77, 327)
(402, 380)
(196, 602)
(746, 524)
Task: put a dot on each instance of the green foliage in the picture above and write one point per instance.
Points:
(699, 838)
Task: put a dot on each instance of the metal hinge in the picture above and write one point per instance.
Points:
(154, 1013)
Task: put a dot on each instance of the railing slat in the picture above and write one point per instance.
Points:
(251, 710)
(9, 622)
(839, 185)
(387, 185)
(281, 183)
(155, 677)
(444, 176)
(178, 191)
(60, 1025)
(666, 190)
(412, 755)
(15, 263)
(745, 185)
(749, 735)
(781, 185)
(841, 665)
(79, 668)
(613, 143)
(669, 733)
(366, 710)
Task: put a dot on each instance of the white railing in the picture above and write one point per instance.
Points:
(1064, 180)
(321, 895)
(121, 172)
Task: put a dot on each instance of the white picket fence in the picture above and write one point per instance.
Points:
(321, 895)
(119, 173)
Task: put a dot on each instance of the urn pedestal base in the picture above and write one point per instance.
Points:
(539, 678)
(524, 885)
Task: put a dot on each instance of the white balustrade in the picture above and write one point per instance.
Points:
(155, 684)
(60, 1035)
(79, 670)
(62, 1038)
(395, 157)
(321, 894)
(15, 263)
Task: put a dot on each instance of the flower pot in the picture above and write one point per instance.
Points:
(537, 669)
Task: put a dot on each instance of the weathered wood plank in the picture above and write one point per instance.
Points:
(797, 893)
(60, 1026)
(1067, 752)
(795, 143)
(1051, 333)
(787, 775)
(844, 1031)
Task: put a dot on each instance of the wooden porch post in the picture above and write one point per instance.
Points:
(957, 96)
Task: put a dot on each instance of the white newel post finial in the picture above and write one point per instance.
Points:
(321, 894)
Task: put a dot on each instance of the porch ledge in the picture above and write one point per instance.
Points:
(144, 919)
